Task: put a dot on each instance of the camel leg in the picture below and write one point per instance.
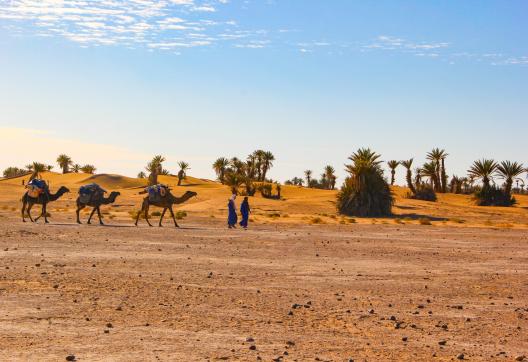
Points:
(173, 218)
(79, 208)
(139, 213)
(99, 214)
(24, 203)
(91, 214)
(161, 217)
(146, 214)
(45, 212)
(30, 205)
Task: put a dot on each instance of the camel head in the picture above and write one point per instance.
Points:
(63, 190)
(190, 194)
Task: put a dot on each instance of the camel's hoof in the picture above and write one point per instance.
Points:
(101, 223)
(89, 223)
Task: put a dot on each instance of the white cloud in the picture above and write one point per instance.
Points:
(100, 22)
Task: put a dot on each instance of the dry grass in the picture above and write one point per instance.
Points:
(424, 221)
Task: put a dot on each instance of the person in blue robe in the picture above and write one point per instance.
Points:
(244, 211)
(232, 216)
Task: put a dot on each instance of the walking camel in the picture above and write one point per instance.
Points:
(96, 203)
(43, 199)
(166, 203)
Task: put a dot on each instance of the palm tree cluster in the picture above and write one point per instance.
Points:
(326, 182)
(14, 172)
(428, 179)
(234, 172)
(365, 192)
(489, 194)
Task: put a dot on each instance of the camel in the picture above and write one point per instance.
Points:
(96, 203)
(165, 202)
(43, 199)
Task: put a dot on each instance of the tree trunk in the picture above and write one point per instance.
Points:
(409, 182)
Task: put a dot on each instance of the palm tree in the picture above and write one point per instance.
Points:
(330, 177)
(184, 167)
(308, 175)
(234, 181)
(418, 177)
(220, 167)
(438, 156)
(155, 168)
(36, 168)
(90, 169)
(76, 168)
(483, 170)
(508, 171)
(392, 165)
(259, 162)
(237, 165)
(429, 169)
(64, 162)
(408, 177)
(365, 191)
(49, 167)
(267, 163)
(141, 174)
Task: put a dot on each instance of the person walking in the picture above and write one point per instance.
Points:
(232, 215)
(244, 211)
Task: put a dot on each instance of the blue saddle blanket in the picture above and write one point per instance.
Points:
(41, 184)
(86, 192)
(156, 192)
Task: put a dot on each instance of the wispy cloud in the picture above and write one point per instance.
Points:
(168, 25)
(152, 24)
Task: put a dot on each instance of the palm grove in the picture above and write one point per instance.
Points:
(364, 192)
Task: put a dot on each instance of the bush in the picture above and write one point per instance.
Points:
(425, 193)
(493, 196)
(365, 192)
(180, 214)
(424, 221)
(316, 220)
(156, 213)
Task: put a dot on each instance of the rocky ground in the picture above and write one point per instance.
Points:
(276, 292)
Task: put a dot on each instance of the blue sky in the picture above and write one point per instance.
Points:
(114, 82)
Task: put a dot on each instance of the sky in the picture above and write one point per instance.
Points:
(113, 83)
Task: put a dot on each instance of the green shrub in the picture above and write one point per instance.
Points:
(365, 192)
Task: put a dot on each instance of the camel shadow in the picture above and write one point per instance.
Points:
(405, 207)
(418, 216)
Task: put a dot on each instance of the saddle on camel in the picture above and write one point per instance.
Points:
(156, 192)
(91, 192)
(37, 187)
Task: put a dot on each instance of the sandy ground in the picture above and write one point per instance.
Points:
(276, 292)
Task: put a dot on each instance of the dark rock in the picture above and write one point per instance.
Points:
(71, 357)
(460, 356)
(253, 347)
(442, 342)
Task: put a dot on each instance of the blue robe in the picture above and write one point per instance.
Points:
(244, 210)
(232, 217)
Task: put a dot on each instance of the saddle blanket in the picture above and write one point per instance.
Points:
(36, 187)
(86, 192)
(156, 192)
